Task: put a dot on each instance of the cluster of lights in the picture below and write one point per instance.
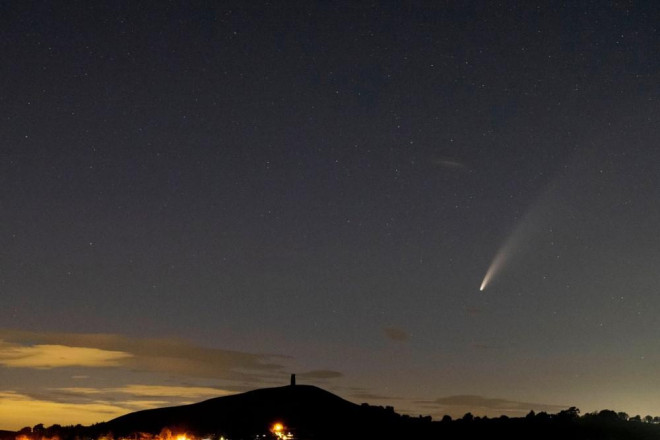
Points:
(280, 432)
(164, 435)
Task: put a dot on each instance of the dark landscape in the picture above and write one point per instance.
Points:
(304, 412)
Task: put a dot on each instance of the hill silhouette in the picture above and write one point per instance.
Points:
(310, 411)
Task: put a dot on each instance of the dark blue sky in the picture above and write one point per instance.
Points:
(328, 184)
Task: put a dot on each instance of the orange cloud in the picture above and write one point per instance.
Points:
(169, 356)
(152, 391)
(45, 356)
(396, 334)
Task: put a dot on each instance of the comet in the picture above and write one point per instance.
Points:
(523, 234)
(496, 265)
(551, 206)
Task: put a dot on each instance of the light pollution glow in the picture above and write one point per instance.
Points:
(100, 391)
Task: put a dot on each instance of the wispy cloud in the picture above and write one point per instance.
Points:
(448, 163)
(21, 349)
(460, 404)
(45, 356)
(371, 396)
(473, 310)
(396, 334)
(320, 374)
(151, 391)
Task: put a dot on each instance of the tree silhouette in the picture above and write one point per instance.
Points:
(623, 416)
(571, 413)
(38, 430)
(607, 414)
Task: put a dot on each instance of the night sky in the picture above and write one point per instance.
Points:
(200, 198)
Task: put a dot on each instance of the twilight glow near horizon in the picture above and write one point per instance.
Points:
(201, 199)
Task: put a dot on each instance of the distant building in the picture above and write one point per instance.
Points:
(293, 380)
